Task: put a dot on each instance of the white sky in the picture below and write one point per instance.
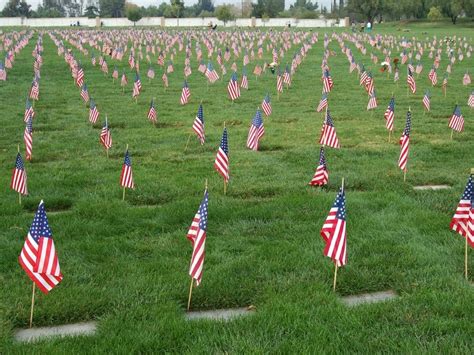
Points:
(34, 3)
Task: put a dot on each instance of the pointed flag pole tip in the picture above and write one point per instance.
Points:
(205, 184)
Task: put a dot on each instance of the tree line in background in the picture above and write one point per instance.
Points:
(357, 10)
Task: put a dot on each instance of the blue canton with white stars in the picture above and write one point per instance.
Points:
(234, 77)
(40, 226)
(29, 125)
(391, 105)
(322, 159)
(468, 195)
(203, 212)
(407, 130)
(224, 145)
(340, 204)
(257, 120)
(200, 114)
(127, 160)
(329, 121)
(267, 98)
(457, 111)
(19, 163)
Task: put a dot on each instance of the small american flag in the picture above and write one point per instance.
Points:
(93, 112)
(28, 139)
(221, 163)
(244, 84)
(197, 236)
(369, 84)
(38, 257)
(457, 120)
(170, 68)
(105, 137)
(426, 101)
(256, 131)
(185, 93)
(29, 112)
(202, 67)
(470, 101)
(389, 114)
(463, 219)
(267, 106)
(433, 76)
(80, 77)
(233, 87)
(328, 133)
(405, 144)
(279, 83)
(411, 81)
(372, 104)
(131, 61)
(258, 70)
(211, 74)
(323, 103)
(287, 76)
(3, 72)
(321, 176)
(334, 231)
(198, 125)
(164, 77)
(126, 176)
(85, 93)
(327, 82)
(123, 81)
(34, 90)
(396, 76)
(115, 73)
(150, 73)
(137, 85)
(187, 70)
(152, 116)
(466, 80)
(18, 182)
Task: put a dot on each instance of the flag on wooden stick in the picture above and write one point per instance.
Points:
(256, 131)
(18, 181)
(405, 144)
(221, 163)
(198, 125)
(321, 176)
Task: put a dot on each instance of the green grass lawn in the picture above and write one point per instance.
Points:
(125, 264)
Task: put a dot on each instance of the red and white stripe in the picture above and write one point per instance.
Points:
(18, 182)
(403, 159)
(254, 136)
(334, 233)
(221, 164)
(321, 176)
(126, 177)
(198, 237)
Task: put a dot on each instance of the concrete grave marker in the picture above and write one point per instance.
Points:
(220, 314)
(369, 298)
(35, 334)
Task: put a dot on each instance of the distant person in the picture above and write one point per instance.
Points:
(369, 26)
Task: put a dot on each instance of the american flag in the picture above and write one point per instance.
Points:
(150, 73)
(18, 182)
(28, 139)
(124, 81)
(152, 112)
(463, 219)
(211, 74)
(221, 163)
(93, 112)
(256, 131)
(389, 114)
(164, 77)
(433, 76)
(187, 70)
(3, 72)
(105, 137)
(457, 120)
(137, 85)
(267, 105)
(115, 73)
(369, 84)
(405, 144)
(466, 80)
(85, 93)
(34, 91)
(372, 104)
(470, 101)
(426, 101)
(131, 61)
(287, 76)
(258, 70)
(323, 103)
(244, 84)
(321, 176)
(170, 68)
(197, 236)
(198, 125)
(334, 231)
(233, 87)
(202, 67)
(104, 67)
(327, 82)
(411, 81)
(93, 60)
(363, 76)
(279, 81)
(185, 94)
(396, 76)
(445, 82)
(29, 112)
(38, 257)
(328, 133)
(126, 176)
(80, 77)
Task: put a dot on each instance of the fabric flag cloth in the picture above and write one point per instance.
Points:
(267, 105)
(411, 81)
(256, 131)
(197, 236)
(405, 144)
(466, 80)
(152, 116)
(328, 133)
(323, 103)
(34, 91)
(372, 104)
(463, 219)
(185, 94)
(28, 139)
(123, 80)
(457, 120)
(321, 176)
(211, 74)
(244, 84)
(221, 163)
(389, 114)
(29, 112)
(18, 182)
(38, 257)
(164, 77)
(433, 76)
(126, 176)
(105, 137)
(85, 93)
(279, 81)
(93, 112)
(137, 85)
(327, 82)
(426, 101)
(334, 231)
(470, 101)
(198, 125)
(233, 87)
(3, 72)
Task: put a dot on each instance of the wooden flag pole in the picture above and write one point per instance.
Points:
(187, 143)
(190, 293)
(32, 304)
(389, 135)
(452, 132)
(123, 195)
(465, 258)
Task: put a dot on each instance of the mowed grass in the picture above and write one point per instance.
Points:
(125, 263)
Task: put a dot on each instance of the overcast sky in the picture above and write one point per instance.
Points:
(34, 3)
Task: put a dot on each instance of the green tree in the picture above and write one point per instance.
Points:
(112, 8)
(271, 8)
(368, 9)
(134, 15)
(177, 8)
(224, 13)
(91, 11)
(435, 14)
(205, 5)
(16, 8)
